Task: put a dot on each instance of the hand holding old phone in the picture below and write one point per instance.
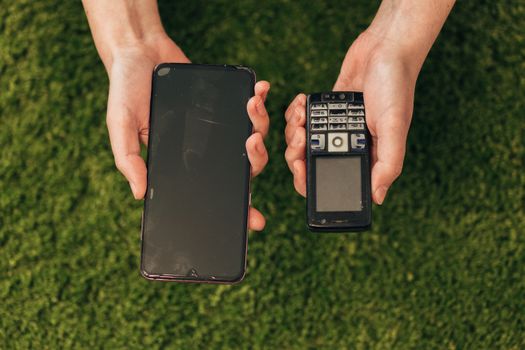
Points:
(388, 87)
(384, 63)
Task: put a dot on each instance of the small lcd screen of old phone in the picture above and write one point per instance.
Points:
(338, 184)
(196, 205)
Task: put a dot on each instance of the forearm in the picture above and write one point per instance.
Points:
(121, 24)
(411, 26)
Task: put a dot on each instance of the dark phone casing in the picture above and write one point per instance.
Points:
(246, 190)
(337, 221)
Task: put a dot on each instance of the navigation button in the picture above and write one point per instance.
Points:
(317, 142)
(358, 141)
(338, 142)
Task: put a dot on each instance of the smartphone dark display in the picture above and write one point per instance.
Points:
(338, 163)
(196, 206)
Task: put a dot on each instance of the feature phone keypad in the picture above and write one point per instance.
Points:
(337, 127)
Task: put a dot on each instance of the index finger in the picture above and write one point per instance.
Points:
(257, 110)
(299, 100)
(261, 88)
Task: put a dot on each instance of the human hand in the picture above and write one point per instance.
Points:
(383, 63)
(129, 106)
(131, 41)
(127, 118)
(387, 79)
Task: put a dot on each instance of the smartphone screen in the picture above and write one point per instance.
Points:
(196, 205)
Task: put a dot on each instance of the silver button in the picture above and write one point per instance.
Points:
(356, 126)
(356, 119)
(358, 141)
(319, 120)
(318, 106)
(318, 127)
(358, 113)
(355, 106)
(337, 127)
(317, 142)
(338, 142)
(337, 106)
(337, 119)
(321, 113)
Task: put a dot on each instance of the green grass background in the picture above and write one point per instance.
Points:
(443, 267)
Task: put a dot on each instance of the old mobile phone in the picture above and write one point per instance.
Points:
(197, 200)
(338, 163)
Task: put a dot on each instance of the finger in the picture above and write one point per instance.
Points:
(390, 152)
(261, 89)
(297, 148)
(257, 153)
(299, 100)
(297, 119)
(256, 220)
(299, 177)
(258, 115)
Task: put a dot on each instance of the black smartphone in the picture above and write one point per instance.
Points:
(338, 163)
(194, 226)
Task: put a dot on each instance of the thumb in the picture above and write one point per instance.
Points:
(345, 83)
(390, 149)
(124, 134)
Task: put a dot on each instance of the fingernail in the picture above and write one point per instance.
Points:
(380, 194)
(133, 188)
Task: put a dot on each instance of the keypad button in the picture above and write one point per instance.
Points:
(317, 142)
(319, 120)
(356, 119)
(352, 126)
(337, 106)
(338, 142)
(358, 141)
(337, 119)
(337, 127)
(337, 112)
(319, 113)
(318, 106)
(358, 113)
(319, 127)
(355, 106)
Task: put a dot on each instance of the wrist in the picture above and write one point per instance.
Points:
(384, 49)
(146, 46)
(408, 28)
(124, 26)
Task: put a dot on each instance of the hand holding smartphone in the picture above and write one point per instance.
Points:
(196, 207)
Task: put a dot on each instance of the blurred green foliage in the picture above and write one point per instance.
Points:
(443, 267)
